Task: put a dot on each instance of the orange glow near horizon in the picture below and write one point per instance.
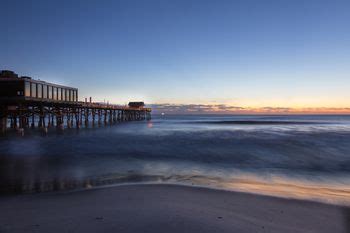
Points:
(281, 110)
(234, 109)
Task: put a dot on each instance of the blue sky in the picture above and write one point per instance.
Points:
(238, 53)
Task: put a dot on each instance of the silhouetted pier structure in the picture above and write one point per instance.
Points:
(29, 103)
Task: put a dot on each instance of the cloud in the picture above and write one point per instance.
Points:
(228, 109)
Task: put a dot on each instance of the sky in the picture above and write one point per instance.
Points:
(279, 56)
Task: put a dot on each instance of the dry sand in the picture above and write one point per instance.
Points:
(167, 208)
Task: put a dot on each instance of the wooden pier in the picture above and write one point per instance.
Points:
(28, 103)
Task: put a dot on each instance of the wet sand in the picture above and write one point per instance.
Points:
(167, 208)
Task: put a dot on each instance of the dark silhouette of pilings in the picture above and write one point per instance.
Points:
(70, 116)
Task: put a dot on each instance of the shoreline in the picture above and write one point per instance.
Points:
(204, 186)
(167, 208)
(274, 186)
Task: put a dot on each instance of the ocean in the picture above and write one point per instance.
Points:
(298, 156)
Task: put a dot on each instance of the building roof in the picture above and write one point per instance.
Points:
(136, 104)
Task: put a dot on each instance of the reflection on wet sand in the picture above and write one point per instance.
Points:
(34, 175)
(280, 187)
(37, 174)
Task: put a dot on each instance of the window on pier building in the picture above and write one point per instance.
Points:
(55, 93)
(70, 95)
(44, 91)
(40, 91)
(73, 98)
(27, 89)
(50, 92)
(59, 93)
(33, 90)
(62, 94)
(66, 96)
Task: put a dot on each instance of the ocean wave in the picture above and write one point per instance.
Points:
(263, 122)
(166, 151)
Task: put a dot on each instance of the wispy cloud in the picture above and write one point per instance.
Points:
(228, 109)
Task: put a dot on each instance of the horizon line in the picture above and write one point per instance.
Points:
(223, 109)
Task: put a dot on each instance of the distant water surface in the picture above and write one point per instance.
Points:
(292, 156)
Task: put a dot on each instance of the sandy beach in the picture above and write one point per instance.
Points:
(167, 208)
